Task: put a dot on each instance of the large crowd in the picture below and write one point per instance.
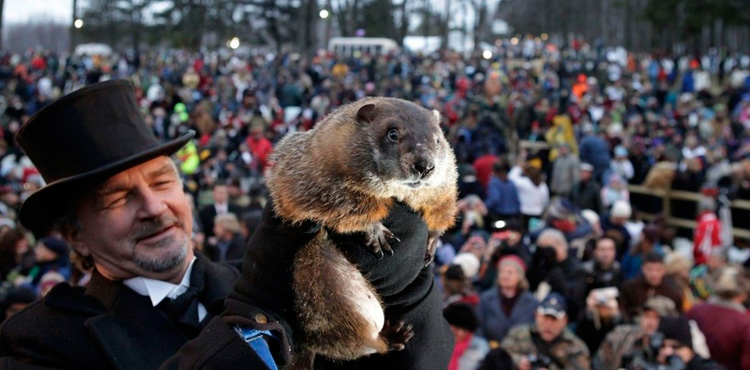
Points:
(553, 262)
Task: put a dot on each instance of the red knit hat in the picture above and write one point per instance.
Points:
(512, 258)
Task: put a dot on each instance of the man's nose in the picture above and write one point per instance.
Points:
(152, 205)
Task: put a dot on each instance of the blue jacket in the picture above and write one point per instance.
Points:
(494, 323)
(595, 151)
(502, 198)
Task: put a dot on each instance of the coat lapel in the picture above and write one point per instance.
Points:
(132, 334)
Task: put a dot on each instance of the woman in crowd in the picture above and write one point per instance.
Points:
(510, 303)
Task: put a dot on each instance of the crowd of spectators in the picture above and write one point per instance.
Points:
(553, 262)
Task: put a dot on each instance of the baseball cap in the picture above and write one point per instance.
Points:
(553, 305)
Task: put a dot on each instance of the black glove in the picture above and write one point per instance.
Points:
(408, 291)
(264, 290)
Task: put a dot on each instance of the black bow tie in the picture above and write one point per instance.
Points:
(184, 309)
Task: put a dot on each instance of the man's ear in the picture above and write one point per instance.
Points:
(73, 236)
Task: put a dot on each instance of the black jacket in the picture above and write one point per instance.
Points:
(109, 326)
(587, 196)
(207, 215)
(597, 278)
(235, 251)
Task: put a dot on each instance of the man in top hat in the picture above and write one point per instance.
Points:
(116, 197)
(547, 343)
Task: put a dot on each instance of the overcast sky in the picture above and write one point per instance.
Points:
(23, 10)
(61, 10)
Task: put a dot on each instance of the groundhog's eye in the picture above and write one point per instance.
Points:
(393, 135)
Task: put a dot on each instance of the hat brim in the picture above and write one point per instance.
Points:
(46, 204)
(551, 312)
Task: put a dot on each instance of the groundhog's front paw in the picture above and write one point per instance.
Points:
(396, 334)
(377, 240)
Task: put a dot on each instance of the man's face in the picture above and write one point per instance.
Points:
(550, 327)
(649, 322)
(654, 273)
(585, 175)
(605, 252)
(137, 223)
(220, 194)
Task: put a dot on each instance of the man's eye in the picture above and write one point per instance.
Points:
(163, 184)
(118, 202)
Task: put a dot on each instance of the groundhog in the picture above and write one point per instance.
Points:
(346, 174)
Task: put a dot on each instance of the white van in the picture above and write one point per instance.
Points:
(346, 46)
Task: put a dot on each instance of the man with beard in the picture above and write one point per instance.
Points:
(117, 198)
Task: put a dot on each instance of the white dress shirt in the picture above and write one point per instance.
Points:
(157, 290)
(222, 208)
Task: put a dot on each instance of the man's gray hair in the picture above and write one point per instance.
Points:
(554, 234)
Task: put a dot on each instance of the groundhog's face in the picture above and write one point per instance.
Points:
(409, 148)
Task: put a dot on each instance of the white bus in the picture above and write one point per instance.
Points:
(346, 46)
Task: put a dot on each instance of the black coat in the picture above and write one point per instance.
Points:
(109, 326)
(587, 196)
(235, 252)
(207, 215)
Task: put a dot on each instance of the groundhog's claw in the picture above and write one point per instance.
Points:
(377, 240)
(432, 241)
(396, 334)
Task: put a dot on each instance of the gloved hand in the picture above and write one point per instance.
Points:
(408, 291)
(263, 295)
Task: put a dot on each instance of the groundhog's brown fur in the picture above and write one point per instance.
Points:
(346, 174)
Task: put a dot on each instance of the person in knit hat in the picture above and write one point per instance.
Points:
(677, 349)
(470, 349)
(508, 304)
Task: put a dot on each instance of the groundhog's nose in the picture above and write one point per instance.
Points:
(423, 166)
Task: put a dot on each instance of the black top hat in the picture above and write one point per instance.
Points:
(85, 137)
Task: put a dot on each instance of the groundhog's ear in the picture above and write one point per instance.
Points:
(366, 113)
(438, 117)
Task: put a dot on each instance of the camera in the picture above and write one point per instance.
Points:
(655, 342)
(646, 359)
(539, 361)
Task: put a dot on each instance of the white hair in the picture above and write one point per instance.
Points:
(555, 235)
